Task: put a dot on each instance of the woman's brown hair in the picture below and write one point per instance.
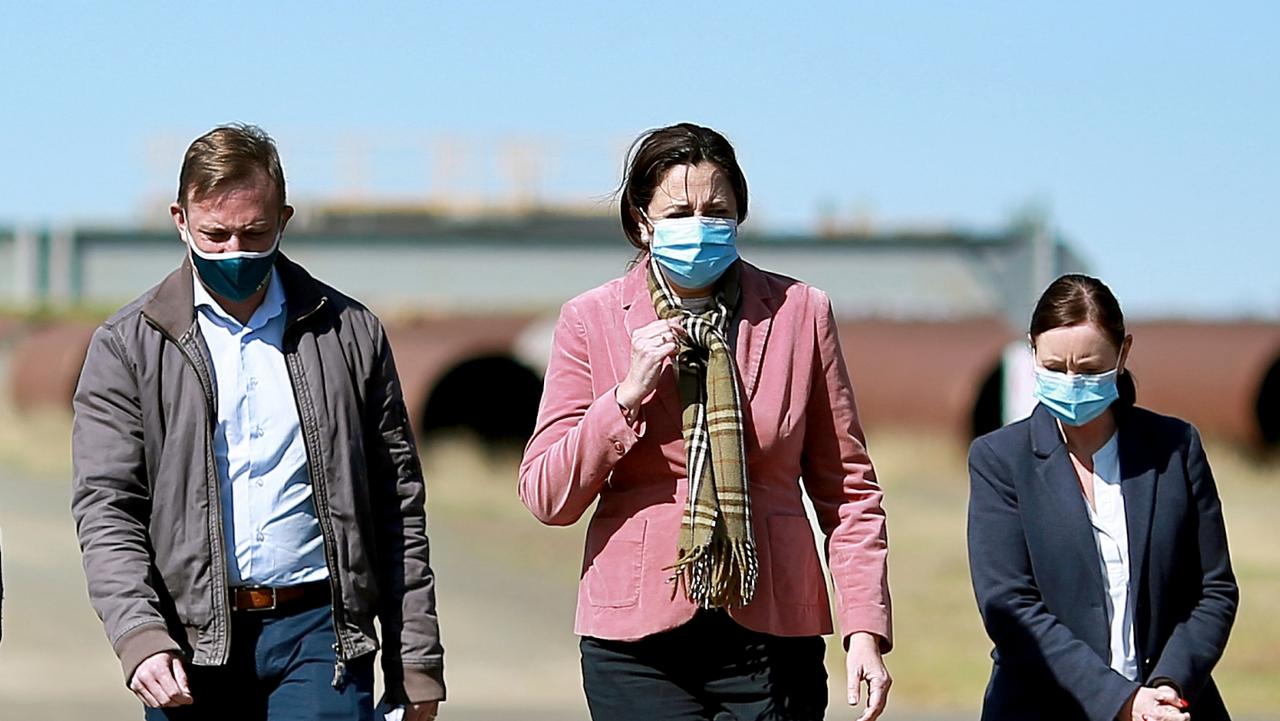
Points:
(657, 151)
(1076, 299)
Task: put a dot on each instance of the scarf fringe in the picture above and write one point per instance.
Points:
(721, 574)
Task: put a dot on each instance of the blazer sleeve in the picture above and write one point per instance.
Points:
(1198, 641)
(839, 479)
(579, 437)
(1016, 617)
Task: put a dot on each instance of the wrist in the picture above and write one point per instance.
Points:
(862, 640)
(627, 400)
(1126, 711)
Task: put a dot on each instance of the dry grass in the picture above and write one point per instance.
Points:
(1250, 671)
(36, 442)
(940, 661)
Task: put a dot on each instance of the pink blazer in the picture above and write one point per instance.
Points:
(801, 428)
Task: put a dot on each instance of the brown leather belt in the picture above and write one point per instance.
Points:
(266, 598)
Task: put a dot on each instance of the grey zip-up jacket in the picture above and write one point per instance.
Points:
(145, 495)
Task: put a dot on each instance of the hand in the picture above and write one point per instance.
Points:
(1153, 704)
(421, 711)
(160, 681)
(651, 346)
(866, 666)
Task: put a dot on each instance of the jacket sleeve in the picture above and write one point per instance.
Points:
(111, 503)
(1197, 642)
(412, 656)
(839, 479)
(579, 437)
(1016, 618)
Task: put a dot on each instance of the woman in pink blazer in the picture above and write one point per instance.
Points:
(690, 400)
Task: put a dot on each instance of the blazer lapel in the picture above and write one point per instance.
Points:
(1062, 486)
(1138, 486)
(755, 319)
(639, 312)
(750, 336)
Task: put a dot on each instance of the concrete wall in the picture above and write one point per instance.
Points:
(944, 278)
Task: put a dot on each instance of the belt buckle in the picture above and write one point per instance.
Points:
(275, 600)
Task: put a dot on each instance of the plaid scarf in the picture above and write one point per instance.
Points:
(716, 556)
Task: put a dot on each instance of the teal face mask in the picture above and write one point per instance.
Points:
(236, 275)
(694, 251)
(1076, 399)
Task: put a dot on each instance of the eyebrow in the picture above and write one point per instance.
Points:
(215, 227)
(715, 201)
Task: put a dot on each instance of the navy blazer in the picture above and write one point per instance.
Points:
(1037, 577)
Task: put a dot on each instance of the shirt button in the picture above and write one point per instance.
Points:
(261, 536)
(253, 383)
(257, 431)
(259, 482)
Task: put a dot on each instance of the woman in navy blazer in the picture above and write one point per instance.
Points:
(1096, 541)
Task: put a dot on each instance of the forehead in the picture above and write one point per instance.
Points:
(1079, 341)
(251, 196)
(683, 182)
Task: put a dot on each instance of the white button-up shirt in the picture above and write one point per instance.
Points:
(268, 514)
(1111, 530)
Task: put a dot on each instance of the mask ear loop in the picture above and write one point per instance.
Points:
(188, 239)
(645, 234)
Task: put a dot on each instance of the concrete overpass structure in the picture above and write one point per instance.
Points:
(925, 317)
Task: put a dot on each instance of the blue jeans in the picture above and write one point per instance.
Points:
(281, 669)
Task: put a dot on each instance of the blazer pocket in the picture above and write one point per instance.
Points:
(793, 560)
(615, 559)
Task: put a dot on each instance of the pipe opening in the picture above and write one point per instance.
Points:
(494, 397)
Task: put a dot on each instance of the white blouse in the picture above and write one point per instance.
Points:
(1112, 534)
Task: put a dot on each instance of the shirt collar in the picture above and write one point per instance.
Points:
(1109, 450)
(273, 303)
(1106, 462)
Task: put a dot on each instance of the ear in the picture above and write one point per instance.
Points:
(1125, 347)
(285, 214)
(179, 220)
(642, 222)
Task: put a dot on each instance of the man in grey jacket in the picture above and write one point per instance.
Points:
(247, 492)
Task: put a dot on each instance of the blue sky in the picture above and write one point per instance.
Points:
(1151, 131)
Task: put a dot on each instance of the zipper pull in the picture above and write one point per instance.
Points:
(339, 668)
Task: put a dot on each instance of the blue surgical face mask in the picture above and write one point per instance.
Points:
(235, 275)
(1076, 399)
(694, 251)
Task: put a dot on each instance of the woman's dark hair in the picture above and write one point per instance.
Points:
(1076, 299)
(657, 151)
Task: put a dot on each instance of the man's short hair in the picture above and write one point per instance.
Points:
(227, 156)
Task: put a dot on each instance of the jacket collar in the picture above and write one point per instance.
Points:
(1058, 479)
(1046, 437)
(755, 288)
(172, 307)
(1138, 476)
(754, 318)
